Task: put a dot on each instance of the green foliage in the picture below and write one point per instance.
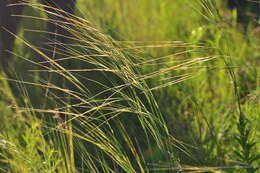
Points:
(125, 96)
(245, 154)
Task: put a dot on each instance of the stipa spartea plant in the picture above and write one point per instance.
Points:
(96, 98)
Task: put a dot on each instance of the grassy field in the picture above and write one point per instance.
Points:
(142, 86)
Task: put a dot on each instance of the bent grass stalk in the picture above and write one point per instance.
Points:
(89, 116)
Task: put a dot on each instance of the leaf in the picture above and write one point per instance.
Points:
(254, 158)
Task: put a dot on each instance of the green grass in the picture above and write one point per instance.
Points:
(143, 86)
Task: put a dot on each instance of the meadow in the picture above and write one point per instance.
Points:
(141, 86)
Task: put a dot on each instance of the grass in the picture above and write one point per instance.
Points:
(125, 96)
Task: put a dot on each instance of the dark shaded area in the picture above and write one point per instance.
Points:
(9, 24)
(247, 11)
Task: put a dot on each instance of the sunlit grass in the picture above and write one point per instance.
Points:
(107, 105)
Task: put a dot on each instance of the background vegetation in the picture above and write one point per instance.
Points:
(143, 86)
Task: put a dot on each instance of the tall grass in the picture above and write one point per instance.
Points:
(95, 104)
(99, 114)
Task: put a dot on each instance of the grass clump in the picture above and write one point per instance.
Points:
(99, 103)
